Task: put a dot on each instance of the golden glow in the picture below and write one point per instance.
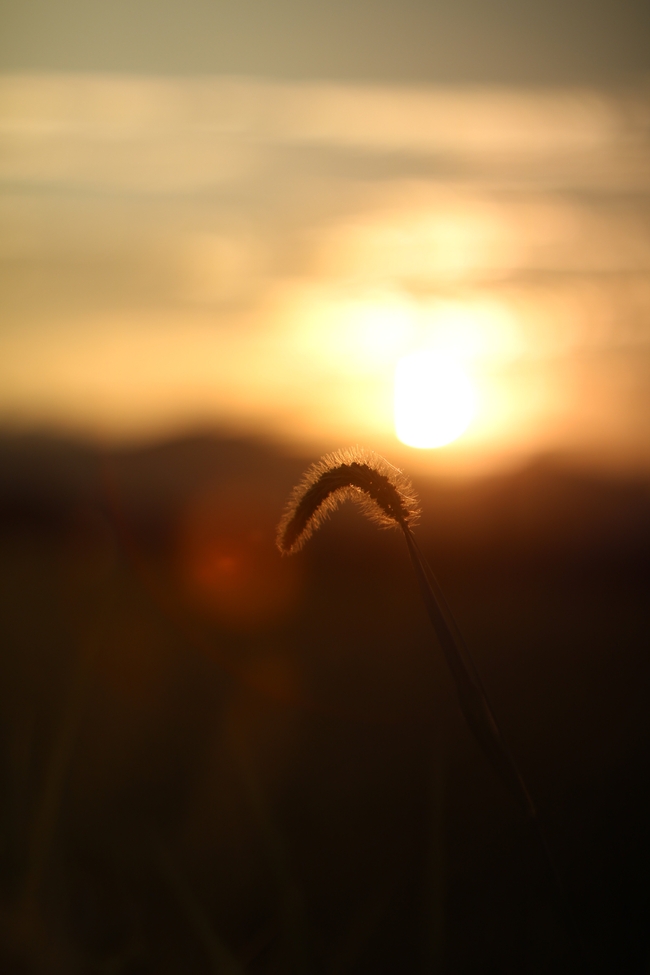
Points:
(161, 273)
(434, 399)
(350, 336)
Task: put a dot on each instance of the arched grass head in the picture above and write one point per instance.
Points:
(384, 494)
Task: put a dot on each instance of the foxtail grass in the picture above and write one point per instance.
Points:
(387, 497)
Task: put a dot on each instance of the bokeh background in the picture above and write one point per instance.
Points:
(221, 227)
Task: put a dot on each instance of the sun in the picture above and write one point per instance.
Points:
(434, 399)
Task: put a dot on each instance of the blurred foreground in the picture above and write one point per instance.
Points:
(217, 760)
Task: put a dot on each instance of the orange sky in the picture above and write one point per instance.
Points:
(259, 255)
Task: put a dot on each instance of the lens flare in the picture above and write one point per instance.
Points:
(434, 399)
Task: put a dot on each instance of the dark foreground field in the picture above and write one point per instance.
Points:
(213, 759)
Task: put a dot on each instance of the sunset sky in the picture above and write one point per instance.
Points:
(464, 41)
(215, 216)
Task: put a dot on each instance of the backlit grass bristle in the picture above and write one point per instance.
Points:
(384, 494)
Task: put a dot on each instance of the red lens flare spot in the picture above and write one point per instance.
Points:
(229, 566)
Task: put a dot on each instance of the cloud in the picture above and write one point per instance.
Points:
(259, 255)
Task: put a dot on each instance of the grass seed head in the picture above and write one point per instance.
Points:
(384, 494)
